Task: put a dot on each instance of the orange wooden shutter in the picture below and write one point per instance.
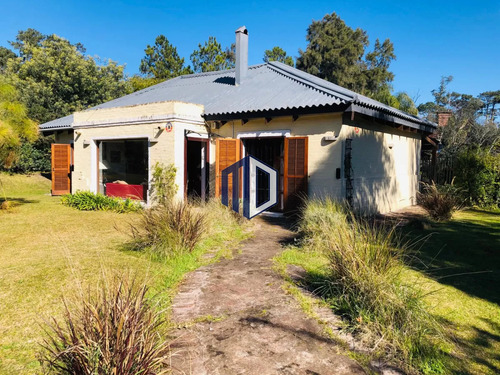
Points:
(61, 161)
(227, 153)
(295, 171)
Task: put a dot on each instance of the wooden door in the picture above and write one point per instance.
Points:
(228, 152)
(295, 180)
(61, 162)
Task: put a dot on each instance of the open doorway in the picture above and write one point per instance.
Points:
(196, 168)
(123, 168)
(271, 152)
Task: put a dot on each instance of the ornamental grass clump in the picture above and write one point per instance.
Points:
(113, 329)
(440, 201)
(169, 228)
(365, 283)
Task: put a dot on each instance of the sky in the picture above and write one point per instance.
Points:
(431, 38)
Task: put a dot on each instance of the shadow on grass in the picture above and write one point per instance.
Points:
(477, 348)
(463, 253)
(15, 202)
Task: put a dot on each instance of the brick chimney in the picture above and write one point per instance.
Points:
(241, 54)
(443, 117)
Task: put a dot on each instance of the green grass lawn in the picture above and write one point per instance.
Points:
(49, 250)
(460, 268)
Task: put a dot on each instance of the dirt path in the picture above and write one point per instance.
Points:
(246, 323)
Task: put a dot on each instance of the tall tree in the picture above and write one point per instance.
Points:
(55, 79)
(5, 55)
(441, 94)
(336, 52)
(26, 40)
(210, 57)
(278, 54)
(490, 100)
(162, 60)
(378, 76)
(465, 128)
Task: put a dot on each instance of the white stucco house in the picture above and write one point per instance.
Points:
(323, 139)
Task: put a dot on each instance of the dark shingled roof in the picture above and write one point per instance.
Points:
(268, 88)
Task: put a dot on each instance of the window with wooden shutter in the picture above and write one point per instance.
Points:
(227, 153)
(295, 171)
(61, 161)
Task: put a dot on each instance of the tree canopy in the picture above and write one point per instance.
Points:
(162, 60)
(210, 57)
(15, 125)
(473, 123)
(5, 55)
(337, 53)
(54, 78)
(278, 54)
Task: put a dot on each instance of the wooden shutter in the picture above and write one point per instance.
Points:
(295, 171)
(227, 153)
(61, 161)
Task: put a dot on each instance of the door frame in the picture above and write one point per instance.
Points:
(204, 181)
(95, 158)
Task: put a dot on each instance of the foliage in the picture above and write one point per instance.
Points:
(365, 283)
(162, 60)
(278, 54)
(112, 330)
(136, 82)
(406, 104)
(336, 52)
(210, 57)
(55, 78)
(5, 55)
(490, 99)
(168, 228)
(440, 201)
(478, 175)
(163, 186)
(14, 124)
(88, 201)
(34, 157)
(473, 123)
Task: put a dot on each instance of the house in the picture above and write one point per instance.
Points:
(323, 139)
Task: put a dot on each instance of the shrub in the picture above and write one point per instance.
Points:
(163, 187)
(113, 330)
(88, 201)
(34, 157)
(169, 227)
(365, 284)
(478, 174)
(440, 201)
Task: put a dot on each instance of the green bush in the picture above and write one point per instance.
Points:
(34, 157)
(163, 186)
(111, 330)
(440, 201)
(478, 174)
(365, 283)
(88, 201)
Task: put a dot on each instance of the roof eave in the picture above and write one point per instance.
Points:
(380, 114)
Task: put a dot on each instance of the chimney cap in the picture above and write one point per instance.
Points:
(242, 29)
